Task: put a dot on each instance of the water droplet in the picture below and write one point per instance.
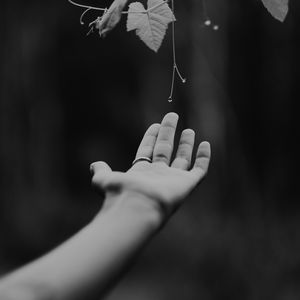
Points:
(207, 23)
(170, 99)
(184, 80)
(216, 27)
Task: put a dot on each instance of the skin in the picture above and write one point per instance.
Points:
(137, 205)
(164, 183)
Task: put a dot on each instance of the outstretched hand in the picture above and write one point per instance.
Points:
(137, 203)
(164, 182)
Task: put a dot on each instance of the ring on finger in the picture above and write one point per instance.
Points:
(142, 158)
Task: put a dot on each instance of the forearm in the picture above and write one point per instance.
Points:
(92, 260)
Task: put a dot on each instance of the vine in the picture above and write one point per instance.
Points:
(151, 23)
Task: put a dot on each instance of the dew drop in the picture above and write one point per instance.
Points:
(207, 23)
(216, 27)
(184, 80)
(170, 99)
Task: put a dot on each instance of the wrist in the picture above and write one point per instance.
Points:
(135, 205)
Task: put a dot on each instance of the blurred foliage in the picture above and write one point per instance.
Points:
(67, 100)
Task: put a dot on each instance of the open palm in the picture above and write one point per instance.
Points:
(163, 181)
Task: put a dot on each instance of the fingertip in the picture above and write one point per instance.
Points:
(154, 125)
(206, 143)
(202, 160)
(172, 115)
(170, 120)
(188, 131)
(154, 129)
(204, 149)
(99, 166)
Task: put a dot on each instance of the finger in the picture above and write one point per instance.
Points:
(185, 150)
(147, 144)
(164, 144)
(101, 172)
(99, 166)
(202, 160)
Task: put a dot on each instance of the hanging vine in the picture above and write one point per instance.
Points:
(150, 24)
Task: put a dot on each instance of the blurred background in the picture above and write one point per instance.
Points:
(67, 99)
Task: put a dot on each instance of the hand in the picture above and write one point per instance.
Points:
(137, 203)
(163, 182)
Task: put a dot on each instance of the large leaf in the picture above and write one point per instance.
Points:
(150, 24)
(277, 8)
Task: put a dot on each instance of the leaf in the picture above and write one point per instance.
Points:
(277, 8)
(151, 24)
(111, 17)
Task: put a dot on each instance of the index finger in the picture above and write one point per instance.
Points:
(147, 144)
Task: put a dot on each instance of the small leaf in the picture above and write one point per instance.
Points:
(151, 24)
(111, 17)
(277, 8)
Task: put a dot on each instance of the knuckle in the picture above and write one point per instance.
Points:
(161, 157)
(186, 141)
(184, 151)
(163, 147)
(185, 162)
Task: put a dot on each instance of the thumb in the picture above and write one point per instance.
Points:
(99, 166)
(101, 172)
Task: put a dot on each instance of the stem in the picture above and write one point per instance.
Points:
(87, 7)
(175, 68)
(83, 14)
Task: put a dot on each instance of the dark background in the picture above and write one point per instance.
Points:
(67, 100)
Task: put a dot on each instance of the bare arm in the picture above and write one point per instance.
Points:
(137, 204)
